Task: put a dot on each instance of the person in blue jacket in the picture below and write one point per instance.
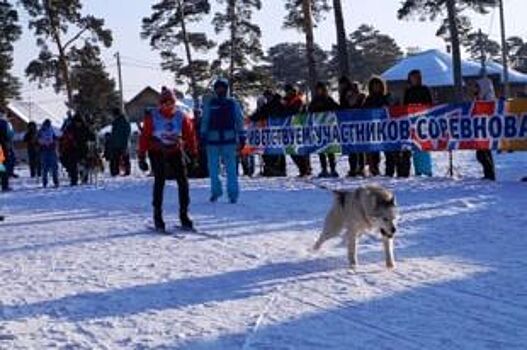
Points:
(47, 140)
(222, 130)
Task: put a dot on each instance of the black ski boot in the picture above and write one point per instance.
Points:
(159, 224)
(186, 223)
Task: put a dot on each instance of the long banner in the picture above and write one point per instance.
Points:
(499, 125)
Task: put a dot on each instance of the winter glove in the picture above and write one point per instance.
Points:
(143, 165)
(241, 143)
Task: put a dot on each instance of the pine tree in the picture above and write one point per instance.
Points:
(517, 49)
(370, 53)
(476, 42)
(431, 9)
(288, 63)
(59, 26)
(240, 55)
(95, 93)
(303, 15)
(168, 29)
(9, 33)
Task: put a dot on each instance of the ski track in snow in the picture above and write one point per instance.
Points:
(79, 268)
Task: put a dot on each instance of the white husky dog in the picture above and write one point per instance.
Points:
(358, 211)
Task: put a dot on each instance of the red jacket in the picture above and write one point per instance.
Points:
(148, 143)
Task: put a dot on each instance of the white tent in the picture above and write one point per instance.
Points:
(437, 69)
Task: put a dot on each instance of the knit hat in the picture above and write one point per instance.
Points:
(221, 82)
(166, 95)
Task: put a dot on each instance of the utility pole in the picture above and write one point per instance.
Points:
(121, 99)
(456, 62)
(504, 52)
(234, 28)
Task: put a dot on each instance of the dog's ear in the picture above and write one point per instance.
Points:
(382, 202)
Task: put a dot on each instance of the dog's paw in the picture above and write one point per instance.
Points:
(390, 266)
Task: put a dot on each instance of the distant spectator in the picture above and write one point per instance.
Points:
(292, 104)
(483, 90)
(119, 140)
(6, 139)
(322, 102)
(74, 148)
(350, 97)
(270, 105)
(378, 98)
(47, 140)
(416, 94)
(33, 150)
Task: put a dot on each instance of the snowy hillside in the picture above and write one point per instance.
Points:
(79, 269)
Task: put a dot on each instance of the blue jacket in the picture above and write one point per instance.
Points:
(222, 122)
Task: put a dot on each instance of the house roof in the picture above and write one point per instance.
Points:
(437, 69)
(32, 112)
(141, 93)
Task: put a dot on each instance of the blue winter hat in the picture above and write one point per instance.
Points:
(221, 82)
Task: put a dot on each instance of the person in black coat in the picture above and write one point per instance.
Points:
(483, 90)
(350, 97)
(74, 147)
(415, 94)
(378, 97)
(270, 105)
(293, 103)
(322, 102)
(33, 149)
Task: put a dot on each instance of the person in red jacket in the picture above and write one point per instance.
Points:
(169, 138)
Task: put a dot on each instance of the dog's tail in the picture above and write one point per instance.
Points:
(340, 195)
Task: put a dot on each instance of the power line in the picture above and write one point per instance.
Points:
(129, 64)
(138, 61)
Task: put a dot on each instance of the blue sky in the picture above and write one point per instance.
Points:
(140, 63)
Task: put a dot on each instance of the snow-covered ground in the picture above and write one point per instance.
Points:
(79, 270)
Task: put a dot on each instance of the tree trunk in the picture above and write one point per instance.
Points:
(310, 44)
(456, 52)
(63, 59)
(342, 46)
(234, 28)
(190, 62)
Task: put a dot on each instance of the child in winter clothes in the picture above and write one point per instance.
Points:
(48, 153)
